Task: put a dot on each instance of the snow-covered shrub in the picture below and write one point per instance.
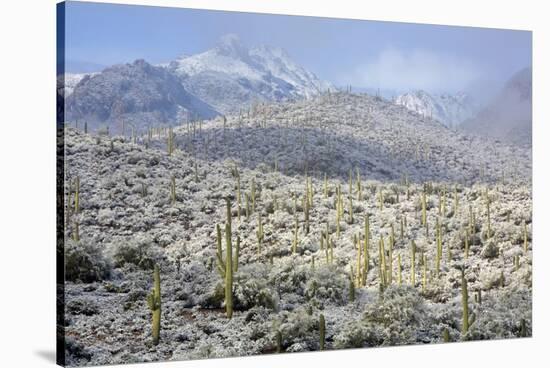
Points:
(327, 285)
(352, 335)
(214, 296)
(84, 306)
(251, 289)
(299, 330)
(138, 251)
(400, 313)
(490, 249)
(501, 314)
(85, 262)
(76, 353)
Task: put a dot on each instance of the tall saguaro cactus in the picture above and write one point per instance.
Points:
(228, 272)
(227, 267)
(424, 208)
(154, 303)
(321, 332)
(76, 194)
(467, 320)
(525, 242)
(413, 262)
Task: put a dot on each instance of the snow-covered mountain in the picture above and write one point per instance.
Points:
(509, 115)
(451, 110)
(138, 93)
(231, 76)
(72, 79)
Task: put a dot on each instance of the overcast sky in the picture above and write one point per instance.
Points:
(368, 54)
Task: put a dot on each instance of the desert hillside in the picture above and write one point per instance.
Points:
(334, 222)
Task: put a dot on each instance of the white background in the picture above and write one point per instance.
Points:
(27, 184)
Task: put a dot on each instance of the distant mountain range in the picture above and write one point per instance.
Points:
(509, 116)
(451, 110)
(222, 80)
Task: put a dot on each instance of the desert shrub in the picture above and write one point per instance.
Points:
(85, 262)
(86, 307)
(289, 278)
(490, 250)
(214, 297)
(397, 317)
(356, 335)
(501, 315)
(327, 285)
(137, 251)
(76, 353)
(299, 330)
(252, 289)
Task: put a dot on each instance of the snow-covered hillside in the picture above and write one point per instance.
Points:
(451, 110)
(230, 75)
(379, 256)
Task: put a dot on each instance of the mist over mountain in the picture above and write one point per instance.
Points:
(451, 110)
(509, 116)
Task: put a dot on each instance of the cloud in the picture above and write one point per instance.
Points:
(417, 69)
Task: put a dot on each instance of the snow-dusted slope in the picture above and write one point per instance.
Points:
(231, 76)
(451, 110)
(139, 94)
(72, 79)
(130, 218)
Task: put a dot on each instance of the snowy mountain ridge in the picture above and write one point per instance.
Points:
(451, 110)
(245, 75)
(225, 79)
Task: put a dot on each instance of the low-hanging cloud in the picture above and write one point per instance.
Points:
(416, 69)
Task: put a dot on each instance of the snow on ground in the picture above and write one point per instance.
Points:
(127, 222)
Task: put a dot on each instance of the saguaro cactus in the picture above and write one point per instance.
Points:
(228, 265)
(260, 233)
(466, 245)
(76, 194)
(446, 337)
(467, 320)
(413, 262)
(350, 210)
(154, 303)
(399, 279)
(351, 286)
(489, 232)
(306, 213)
(321, 332)
(525, 243)
(366, 250)
(424, 208)
(173, 189)
(295, 240)
(170, 145)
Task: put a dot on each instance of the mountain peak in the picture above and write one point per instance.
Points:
(231, 45)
